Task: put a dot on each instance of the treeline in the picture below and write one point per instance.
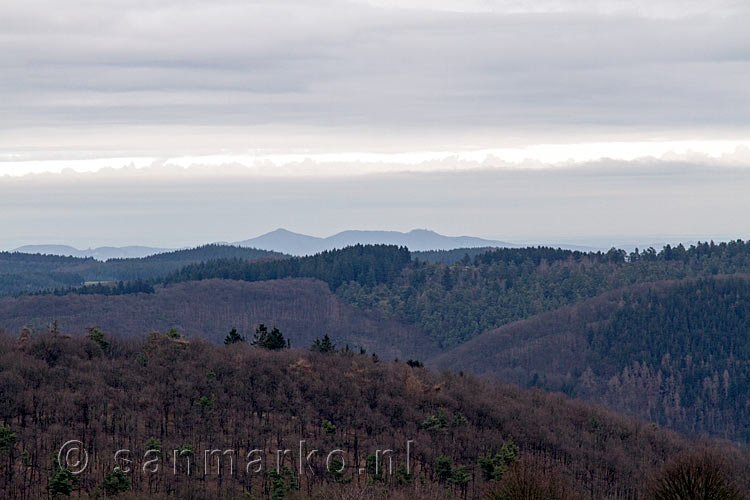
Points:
(17, 262)
(450, 256)
(457, 302)
(30, 273)
(167, 400)
(369, 265)
(702, 252)
(156, 266)
(33, 281)
(25, 273)
(120, 288)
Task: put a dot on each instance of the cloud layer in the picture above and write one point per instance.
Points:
(119, 78)
(435, 105)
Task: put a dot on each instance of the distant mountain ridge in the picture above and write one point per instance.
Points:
(285, 241)
(288, 242)
(99, 253)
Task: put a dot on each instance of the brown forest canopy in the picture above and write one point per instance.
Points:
(174, 394)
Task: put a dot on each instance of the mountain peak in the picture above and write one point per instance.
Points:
(280, 230)
(285, 241)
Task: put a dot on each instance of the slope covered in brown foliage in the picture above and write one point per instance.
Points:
(302, 309)
(171, 394)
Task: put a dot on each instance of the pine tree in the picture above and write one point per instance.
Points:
(61, 480)
(323, 345)
(273, 340)
(116, 482)
(233, 337)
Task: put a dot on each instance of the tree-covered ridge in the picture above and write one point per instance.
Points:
(24, 273)
(734, 252)
(455, 303)
(449, 256)
(303, 308)
(17, 262)
(682, 354)
(452, 303)
(673, 352)
(369, 265)
(158, 265)
(206, 252)
(29, 273)
(470, 439)
(707, 318)
(119, 288)
(34, 281)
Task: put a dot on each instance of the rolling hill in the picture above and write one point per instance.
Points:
(455, 303)
(28, 273)
(673, 352)
(613, 328)
(302, 308)
(451, 436)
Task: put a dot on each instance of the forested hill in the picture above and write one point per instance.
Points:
(369, 265)
(302, 308)
(457, 302)
(158, 265)
(21, 272)
(469, 439)
(677, 353)
(24, 273)
(454, 303)
(451, 303)
(15, 262)
(534, 316)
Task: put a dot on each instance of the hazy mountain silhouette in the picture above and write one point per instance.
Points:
(100, 253)
(285, 241)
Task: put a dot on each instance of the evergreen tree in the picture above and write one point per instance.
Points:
(173, 334)
(323, 345)
(233, 337)
(273, 340)
(61, 480)
(443, 468)
(97, 336)
(116, 482)
(493, 467)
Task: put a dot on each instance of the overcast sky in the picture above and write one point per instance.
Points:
(304, 92)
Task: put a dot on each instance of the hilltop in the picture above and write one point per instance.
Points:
(25, 273)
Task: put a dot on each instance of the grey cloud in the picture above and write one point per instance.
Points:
(341, 64)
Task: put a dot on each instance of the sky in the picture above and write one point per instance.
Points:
(179, 122)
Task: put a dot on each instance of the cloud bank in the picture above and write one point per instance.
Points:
(124, 79)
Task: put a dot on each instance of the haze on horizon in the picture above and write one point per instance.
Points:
(556, 121)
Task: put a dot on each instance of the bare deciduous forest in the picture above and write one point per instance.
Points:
(468, 438)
